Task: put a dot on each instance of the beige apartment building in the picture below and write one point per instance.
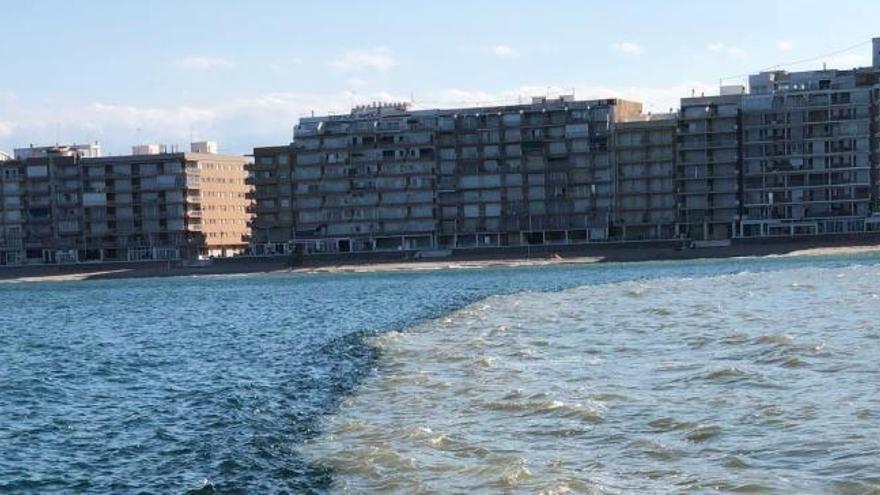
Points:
(225, 202)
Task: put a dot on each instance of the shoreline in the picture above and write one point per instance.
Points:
(395, 262)
(421, 266)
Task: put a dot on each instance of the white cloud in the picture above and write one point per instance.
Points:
(730, 51)
(786, 45)
(6, 128)
(628, 47)
(287, 64)
(373, 59)
(736, 52)
(204, 63)
(6, 97)
(505, 51)
(356, 82)
(239, 124)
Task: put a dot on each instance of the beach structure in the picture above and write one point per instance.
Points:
(67, 204)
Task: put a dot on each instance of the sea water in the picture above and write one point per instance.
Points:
(735, 375)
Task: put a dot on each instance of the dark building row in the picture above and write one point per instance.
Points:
(797, 154)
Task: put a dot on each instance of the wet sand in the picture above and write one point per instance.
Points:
(68, 277)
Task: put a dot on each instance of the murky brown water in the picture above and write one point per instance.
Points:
(756, 382)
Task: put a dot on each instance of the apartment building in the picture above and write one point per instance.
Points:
(795, 154)
(67, 204)
(709, 142)
(40, 207)
(165, 205)
(531, 174)
(11, 212)
(386, 178)
(271, 177)
(645, 170)
(809, 143)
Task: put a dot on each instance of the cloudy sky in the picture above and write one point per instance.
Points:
(242, 72)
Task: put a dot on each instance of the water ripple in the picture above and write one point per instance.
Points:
(224, 384)
(680, 384)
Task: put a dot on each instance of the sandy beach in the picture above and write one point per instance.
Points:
(832, 251)
(548, 256)
(575, 260)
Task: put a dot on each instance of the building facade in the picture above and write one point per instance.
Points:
(64, 205)
(11, 212)
(809, 145)
(645, 195)
(796, 154)
(709, 142)
(385, 178)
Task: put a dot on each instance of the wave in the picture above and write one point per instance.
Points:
(646, 386)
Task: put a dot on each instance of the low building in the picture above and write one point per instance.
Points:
(76, 150)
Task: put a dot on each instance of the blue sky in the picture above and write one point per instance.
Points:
(242, 73)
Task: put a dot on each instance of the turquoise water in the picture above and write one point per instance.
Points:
(232, 384)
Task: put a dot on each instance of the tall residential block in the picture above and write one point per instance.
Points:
(644, 179)
(709, 142)
(809, 152)
(794, 154)
(63, 204)
(386, 178)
